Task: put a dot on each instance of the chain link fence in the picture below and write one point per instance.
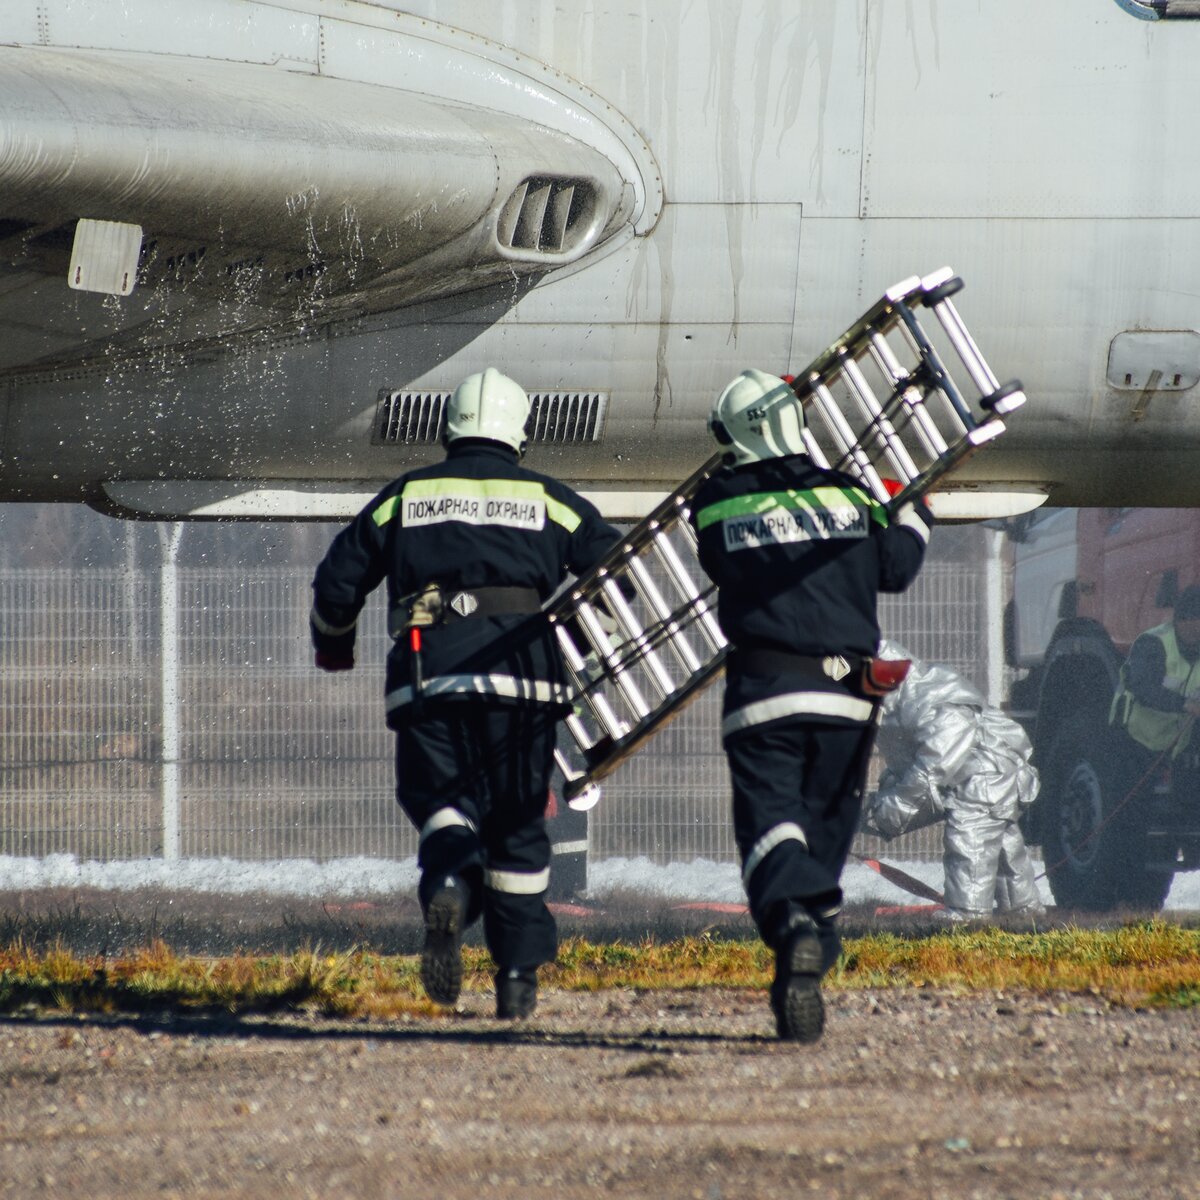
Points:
(276, 760)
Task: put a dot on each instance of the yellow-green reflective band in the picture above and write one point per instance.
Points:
(386, 511)
(562, 515)
(807, 499)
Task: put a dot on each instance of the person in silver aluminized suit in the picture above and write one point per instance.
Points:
(950, 756)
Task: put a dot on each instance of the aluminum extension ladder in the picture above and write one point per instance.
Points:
(880, 404)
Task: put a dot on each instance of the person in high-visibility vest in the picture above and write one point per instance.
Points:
(470, 548)
(1158, 696)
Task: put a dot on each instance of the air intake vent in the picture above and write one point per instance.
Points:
(548, 216)
(416, 418)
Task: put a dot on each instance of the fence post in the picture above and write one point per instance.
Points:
(168, 537)
(993, 541)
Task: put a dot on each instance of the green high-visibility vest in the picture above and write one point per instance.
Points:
(1153, 728)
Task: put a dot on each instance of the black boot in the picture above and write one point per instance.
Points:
(796, 990)
(441, 959)
(516, 993)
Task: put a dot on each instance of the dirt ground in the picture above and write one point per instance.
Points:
(631, 1094)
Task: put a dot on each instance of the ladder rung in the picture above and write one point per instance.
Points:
(902, 380)
(814, 448)
(590, 623)
(686, 530)
(656, 602)
(878, 423)
(956, 410)
(683, 581)
(636, 636)
(595, 699)
(848, 443)
(964, 344)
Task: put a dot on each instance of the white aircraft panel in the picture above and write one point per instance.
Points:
(1044, 303)
(711, 263)
(234, 29)
(739, 101)
(104, 257)
(19, 25)
(438, 62)
(1019, 110)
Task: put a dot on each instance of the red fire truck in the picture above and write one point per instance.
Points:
(1086, 582)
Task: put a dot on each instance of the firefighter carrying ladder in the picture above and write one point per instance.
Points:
(639, 633)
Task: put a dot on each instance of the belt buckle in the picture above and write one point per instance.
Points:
(835, 666)
(464, 603)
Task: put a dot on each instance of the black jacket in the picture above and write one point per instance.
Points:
(476, 520)
(800, 555)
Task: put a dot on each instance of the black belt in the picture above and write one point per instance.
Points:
(867, 678)
(435, 605)
(460, 603)
(755, 660)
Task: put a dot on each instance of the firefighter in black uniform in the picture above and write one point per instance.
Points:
(470, 548)
(799, 555)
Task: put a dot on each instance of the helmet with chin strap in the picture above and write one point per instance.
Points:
(757, 416)
(488, 405)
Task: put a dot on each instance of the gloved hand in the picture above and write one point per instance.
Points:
(329, 661)
(867, 818)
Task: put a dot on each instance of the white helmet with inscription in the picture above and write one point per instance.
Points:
(757, 416)
(488, 405)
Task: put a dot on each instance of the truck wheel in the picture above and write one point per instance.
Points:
(1095, 855)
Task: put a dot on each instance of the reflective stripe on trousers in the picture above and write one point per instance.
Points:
(783, 832)
(797, 704)
(446, 818)
(517, 883)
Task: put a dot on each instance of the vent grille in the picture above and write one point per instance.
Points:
(547, 216)
(417, 418)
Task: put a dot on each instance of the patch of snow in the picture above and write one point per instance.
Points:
(698, 880)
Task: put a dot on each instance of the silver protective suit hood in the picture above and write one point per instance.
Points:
(951, 756)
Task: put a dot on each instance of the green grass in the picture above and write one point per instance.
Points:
(1149, 964)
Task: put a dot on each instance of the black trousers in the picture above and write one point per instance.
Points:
(797, 794)
(473, 777)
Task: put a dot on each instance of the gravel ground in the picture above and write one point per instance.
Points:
(651, 1094)
(912, 1093)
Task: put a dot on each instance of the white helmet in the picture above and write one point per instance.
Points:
(757, 416)
(488, 405)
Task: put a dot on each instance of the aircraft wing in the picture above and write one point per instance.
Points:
(249, 247)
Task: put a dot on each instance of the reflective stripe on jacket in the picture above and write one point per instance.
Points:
(477, 520)
(799, 555)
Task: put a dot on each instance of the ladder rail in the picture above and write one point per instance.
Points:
(907, 396)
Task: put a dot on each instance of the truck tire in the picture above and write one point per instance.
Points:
(1095, 847)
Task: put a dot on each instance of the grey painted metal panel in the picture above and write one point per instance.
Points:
(1032, 111)
(238, 30)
